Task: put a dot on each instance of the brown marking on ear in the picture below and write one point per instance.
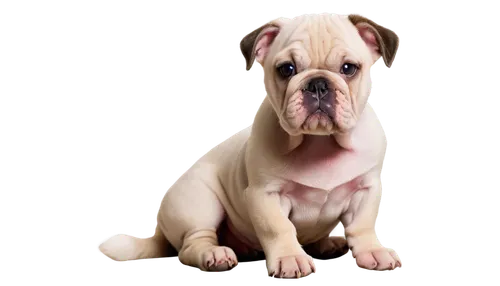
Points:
(386, 40)
(249, 42)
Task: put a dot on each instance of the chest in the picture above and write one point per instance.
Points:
(315, 212)
(321, 164)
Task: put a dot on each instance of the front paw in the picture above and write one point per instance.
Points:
(293, 266)
(378, 259)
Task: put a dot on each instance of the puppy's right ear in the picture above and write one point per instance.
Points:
(256, 45)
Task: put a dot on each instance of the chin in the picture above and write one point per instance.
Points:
(318, 132)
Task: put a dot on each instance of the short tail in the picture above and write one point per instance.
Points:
(123, 247)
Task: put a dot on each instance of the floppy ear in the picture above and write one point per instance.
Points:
(381, 41)
(255, 46)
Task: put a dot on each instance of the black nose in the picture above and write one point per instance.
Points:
(318, 87)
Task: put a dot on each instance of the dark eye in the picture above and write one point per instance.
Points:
(286, 70)
(349, 69)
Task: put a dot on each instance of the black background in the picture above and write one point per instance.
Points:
(170, 82)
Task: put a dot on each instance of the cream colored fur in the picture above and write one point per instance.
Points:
(283, 184)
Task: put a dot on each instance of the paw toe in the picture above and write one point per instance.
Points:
(380, 259)
(366, 261)
(220, 266)
(295, 266)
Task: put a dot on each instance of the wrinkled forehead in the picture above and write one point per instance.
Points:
(325, 26)
(315, 39)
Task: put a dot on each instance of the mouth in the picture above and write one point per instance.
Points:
(318, 122)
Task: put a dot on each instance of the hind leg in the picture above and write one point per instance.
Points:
(189, 217)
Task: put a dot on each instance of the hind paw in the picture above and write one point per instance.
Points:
(219, 258)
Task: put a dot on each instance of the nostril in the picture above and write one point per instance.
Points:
(311, 87)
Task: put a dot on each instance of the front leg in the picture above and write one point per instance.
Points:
(285, 257)
(359, 225)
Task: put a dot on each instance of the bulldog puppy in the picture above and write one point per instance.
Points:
(312, 159)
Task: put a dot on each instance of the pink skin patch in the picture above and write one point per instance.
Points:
(263, 44)
(368, 36)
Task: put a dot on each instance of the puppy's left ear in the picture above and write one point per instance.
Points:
(256, 45)
(381, 41)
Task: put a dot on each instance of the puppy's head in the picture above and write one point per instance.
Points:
(317, 68)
